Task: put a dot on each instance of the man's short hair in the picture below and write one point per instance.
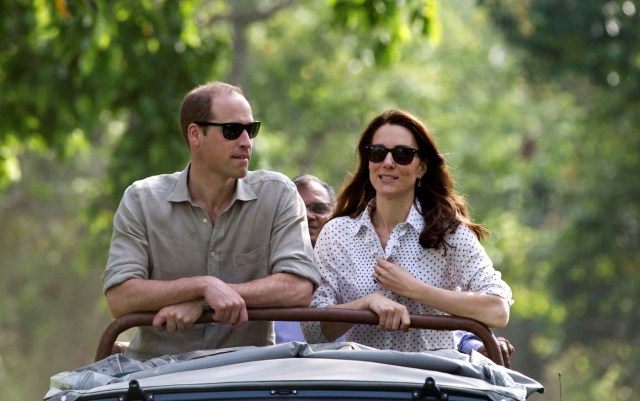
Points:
(196, 105)
(303, 181)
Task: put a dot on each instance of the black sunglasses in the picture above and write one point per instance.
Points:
(319, 208)
(401, 154)
(233, 131)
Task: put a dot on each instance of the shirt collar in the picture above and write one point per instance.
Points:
(364, 220)
(244, 191)
(180, 192)
(415, 219)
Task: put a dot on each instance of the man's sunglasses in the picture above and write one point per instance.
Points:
(401, 154)
(319, 208)
(233, 131)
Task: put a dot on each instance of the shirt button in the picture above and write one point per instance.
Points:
(205, 220)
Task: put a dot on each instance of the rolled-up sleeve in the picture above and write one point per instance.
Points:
(474, 267)
(291, 250)
(129, 250)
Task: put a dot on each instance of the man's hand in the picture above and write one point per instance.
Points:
(119, 347)
(505, 347)
(178, 317)
(392, 315)
(227, 305)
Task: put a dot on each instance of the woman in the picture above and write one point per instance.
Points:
(401, 242)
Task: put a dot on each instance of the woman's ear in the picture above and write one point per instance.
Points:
(422, 170)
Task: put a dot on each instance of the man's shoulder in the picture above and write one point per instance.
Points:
(155, 183)
(258, 178)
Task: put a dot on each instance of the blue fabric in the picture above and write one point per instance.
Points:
(291, 331)
(288, 331)
(466, 341)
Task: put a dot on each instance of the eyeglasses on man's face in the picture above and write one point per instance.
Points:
(401, 154)
(233, 131)
(319, 208)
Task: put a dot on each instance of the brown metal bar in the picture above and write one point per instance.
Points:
(120, 325)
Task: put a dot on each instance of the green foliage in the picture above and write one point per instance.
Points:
(389, 22)
(590, 38)
(65, 66)
(52, 310)
(100, 57)
(592, 49)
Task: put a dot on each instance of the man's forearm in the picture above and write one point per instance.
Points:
(276, 290)
(142, 295)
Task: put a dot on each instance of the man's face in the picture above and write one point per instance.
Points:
(223, 157)
(316, 198)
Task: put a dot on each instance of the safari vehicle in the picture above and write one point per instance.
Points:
(298, 371)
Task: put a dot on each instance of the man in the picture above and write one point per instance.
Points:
(214, 237)
(319, 198)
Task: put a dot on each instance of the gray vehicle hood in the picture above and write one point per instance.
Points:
(295, 364)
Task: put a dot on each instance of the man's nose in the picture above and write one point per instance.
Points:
(244, 139)
(310, 216)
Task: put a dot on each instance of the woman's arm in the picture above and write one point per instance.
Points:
(491, 310)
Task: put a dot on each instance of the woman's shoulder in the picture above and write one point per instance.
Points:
(463, 235)
(338, 229)
(341, 223)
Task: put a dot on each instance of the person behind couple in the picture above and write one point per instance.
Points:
(401, 242)
(214, 236)
(319, 198)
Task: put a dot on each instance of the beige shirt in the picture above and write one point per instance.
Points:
(160, 233)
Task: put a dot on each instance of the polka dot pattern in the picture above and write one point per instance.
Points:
(346, 251)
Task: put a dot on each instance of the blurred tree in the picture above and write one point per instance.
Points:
(591, 49)
(594, 39)
(96, 57)
(50, 262)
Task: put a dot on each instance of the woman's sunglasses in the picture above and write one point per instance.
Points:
(401, 154)
(233, 131)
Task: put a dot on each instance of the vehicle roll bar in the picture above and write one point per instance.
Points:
(431, 322)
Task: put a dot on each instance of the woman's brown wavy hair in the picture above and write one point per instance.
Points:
(442, 208)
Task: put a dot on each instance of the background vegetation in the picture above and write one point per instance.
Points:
(535, 104)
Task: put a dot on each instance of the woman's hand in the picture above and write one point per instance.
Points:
(392, 315)
(394, 278)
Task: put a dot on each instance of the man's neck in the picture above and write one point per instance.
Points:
(212, 193)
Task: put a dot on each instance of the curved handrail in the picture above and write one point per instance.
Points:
(432, 322)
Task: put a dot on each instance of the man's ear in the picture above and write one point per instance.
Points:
(194, 135)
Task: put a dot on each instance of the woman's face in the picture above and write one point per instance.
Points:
(388, 177)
